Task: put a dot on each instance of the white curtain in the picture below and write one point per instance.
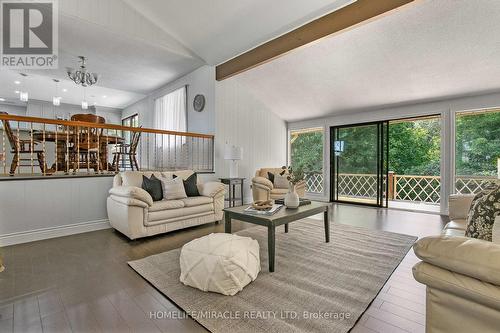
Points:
(170, 111)
(170, 114)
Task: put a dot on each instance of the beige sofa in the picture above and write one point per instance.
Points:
(462, 277)
(263, 189)
(131, 209)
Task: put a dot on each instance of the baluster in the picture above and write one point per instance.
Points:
(31, 148)
(4, 152)
(117, 156)
(18, 143)
(88, 149)
(154, 156)
(56, 145)
(99, 131)
(175, 151)
(78, 149)
(43, 157)
(67, 150)
(162, 151)
(203, 153)
(168, 161)
(107, 157)
(147, 152)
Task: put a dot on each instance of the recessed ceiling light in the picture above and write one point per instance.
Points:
(2, 99)
(64, 90)
(104, 96)
(17, 82)
(17, 91)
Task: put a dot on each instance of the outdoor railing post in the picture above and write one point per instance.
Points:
(392, 187)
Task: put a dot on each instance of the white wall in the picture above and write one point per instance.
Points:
(445, 108)
(242, 120)
(200, 81)
(17, 110)
(38, 209)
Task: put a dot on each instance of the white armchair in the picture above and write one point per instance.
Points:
(132, 211)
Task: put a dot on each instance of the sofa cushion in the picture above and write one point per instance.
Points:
(190, 185)
(153, 187)
(280, 182)
(263, 172)
(159, 217)
(166, 204)
(196, 201)
(134, 178)
(453, 232)
(459, 224)
(280, 191)
(485, 208)
(184, 174)
(173, 189)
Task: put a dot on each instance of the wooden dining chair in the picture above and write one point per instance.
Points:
(84, 153)
(21, 148)
(127, 150)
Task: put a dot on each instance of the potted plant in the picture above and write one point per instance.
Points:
(294, 177)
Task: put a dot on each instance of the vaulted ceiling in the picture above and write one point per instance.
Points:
(429, 50)
(139, 46)
(432, 49)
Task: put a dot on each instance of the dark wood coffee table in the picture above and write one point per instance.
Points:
(283, 216)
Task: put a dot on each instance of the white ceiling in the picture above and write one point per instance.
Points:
(429, 50)
(139, 46)
(218, 30)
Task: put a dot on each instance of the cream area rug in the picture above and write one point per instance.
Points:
(317, 286)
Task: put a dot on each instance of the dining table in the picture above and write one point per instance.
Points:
(65, 140)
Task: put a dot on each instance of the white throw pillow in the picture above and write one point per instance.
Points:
(173, 189)
(281, 181)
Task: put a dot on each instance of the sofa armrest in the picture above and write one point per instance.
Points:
(127, 201)
(468, 256)
(132, 192)
(459, 206)
(211, 189)
(263, 182)
(463, 286)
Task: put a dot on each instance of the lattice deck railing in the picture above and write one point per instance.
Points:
(401, 187)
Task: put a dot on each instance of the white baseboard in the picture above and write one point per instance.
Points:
(46, 233)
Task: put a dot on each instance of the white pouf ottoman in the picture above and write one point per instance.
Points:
(221, 263)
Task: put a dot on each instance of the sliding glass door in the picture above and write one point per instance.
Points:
(359, 168)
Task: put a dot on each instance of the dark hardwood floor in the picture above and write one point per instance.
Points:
(81, 283)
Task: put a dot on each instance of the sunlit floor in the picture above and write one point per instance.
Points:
(396, 204)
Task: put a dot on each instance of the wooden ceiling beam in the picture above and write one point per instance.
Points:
(344, 18)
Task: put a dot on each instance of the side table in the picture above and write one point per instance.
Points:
(232, 182)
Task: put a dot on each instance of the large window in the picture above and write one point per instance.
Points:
(170, 111)
(306, 153)
(132, 121)
(477, 148)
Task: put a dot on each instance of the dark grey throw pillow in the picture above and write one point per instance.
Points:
(270, 176)
(190, 185)
(485, 207)
(153, 187)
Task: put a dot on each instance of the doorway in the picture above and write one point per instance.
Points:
(359, 163)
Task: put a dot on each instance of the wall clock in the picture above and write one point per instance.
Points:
(199, 102)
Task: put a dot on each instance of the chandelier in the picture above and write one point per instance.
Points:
(81, 76)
